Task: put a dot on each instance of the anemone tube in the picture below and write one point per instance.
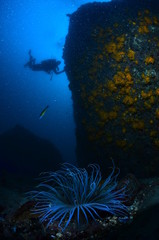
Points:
(73, 192)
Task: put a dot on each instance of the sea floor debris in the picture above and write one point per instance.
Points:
(19, 223)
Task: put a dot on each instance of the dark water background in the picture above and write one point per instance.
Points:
(41, 26)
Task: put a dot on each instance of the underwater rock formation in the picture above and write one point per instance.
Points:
(112, 62)
(25, 155)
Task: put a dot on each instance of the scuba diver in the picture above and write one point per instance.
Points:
(49, 66)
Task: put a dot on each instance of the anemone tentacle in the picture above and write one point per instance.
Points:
(71, 192)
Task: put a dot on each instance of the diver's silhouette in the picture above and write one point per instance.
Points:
(49, 66)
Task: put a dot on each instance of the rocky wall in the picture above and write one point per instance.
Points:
(111, 55)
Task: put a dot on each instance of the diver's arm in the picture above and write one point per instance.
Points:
(58, 72)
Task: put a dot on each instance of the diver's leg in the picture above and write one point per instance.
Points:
(31, 58)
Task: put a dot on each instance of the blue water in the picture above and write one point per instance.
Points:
(40, 25)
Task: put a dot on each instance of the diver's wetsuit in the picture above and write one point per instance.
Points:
(48, 66)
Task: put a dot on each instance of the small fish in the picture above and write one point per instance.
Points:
(43, 112)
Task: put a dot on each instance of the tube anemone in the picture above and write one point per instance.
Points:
(73, 193)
